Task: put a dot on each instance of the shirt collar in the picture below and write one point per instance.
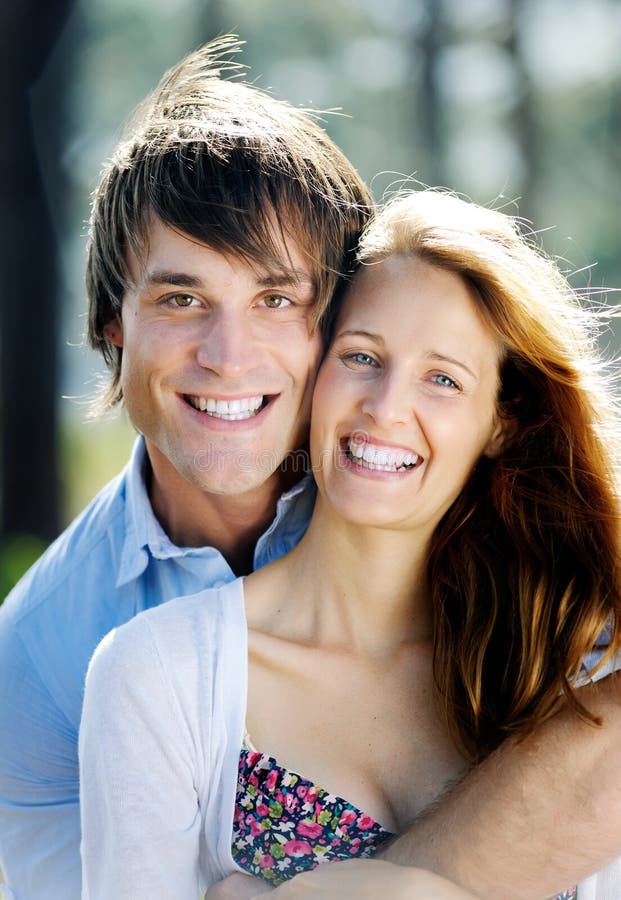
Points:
(144, 536)
(140, 521)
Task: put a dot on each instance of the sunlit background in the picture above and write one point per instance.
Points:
(515, 103)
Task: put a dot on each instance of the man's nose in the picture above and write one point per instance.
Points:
(228, 345)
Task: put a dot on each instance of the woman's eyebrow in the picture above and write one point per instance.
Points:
(442, 357)
(376, 338)
(434, 355)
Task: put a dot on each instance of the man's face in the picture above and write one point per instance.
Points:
(218, 360)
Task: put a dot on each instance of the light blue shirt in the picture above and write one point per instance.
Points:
(112, 562)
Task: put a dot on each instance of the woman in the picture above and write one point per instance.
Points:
(460, 564)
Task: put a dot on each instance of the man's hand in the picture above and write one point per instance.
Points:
(369, 879)
(356, 879)
(238, 887)
(537, 815)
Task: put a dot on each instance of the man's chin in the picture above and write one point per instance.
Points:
(234, 467)
(230, 480)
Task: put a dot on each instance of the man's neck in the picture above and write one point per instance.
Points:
(232, 523)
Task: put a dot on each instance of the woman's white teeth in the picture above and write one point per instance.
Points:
(244, 408)
(383, 458)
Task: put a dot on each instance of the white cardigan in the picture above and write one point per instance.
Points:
(162, 729)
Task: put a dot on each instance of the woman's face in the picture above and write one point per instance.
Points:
(405, 401)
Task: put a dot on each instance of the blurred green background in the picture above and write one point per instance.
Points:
(512, 102)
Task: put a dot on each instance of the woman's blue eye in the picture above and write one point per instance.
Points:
(361, 359)
(444, 380)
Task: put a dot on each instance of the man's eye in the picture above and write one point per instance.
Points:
(183, 300)
(276, 301)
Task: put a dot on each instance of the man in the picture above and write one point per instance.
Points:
(219, 233)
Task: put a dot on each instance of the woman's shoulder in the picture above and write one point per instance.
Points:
(219, 605)
(184, 630)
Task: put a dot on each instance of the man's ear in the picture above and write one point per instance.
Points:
(504, 431)
(113, 331)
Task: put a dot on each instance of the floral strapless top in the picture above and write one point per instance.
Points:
(284, 824)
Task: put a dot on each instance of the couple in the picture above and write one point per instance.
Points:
(445, 595)
(220, 231)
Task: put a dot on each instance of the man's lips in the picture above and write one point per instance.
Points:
(232, 410)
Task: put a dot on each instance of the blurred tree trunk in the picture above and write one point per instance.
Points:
(29, 284)
(210, 20)
(429, 111)
(526, 133)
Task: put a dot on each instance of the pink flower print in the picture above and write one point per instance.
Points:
(297, 848)
(309, 829)
(348, 817)
(266, 862)
(263, 810)
(290, 802)
(365, 822)
(255, 828)
(301, 790)
(270, 781)
(312, 794)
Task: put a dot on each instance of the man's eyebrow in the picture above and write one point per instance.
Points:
(168, 276)
(287, 277)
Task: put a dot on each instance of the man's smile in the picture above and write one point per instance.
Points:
(230, 410)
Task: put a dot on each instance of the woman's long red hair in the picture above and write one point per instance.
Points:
(524, 570)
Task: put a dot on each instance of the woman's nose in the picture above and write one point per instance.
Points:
(389, 401)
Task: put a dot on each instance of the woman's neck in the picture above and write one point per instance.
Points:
(362, 588)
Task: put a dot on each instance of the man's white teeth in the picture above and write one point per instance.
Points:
(383, 458)
(244, 408)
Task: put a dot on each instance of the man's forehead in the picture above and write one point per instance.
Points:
(169, 255)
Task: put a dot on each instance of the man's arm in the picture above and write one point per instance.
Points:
(39, 813)
(358, 879)
(536, 816)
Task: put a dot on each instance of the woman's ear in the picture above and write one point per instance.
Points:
(113, 331)
(504, 431)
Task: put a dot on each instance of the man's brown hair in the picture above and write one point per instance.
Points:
(225, 163)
